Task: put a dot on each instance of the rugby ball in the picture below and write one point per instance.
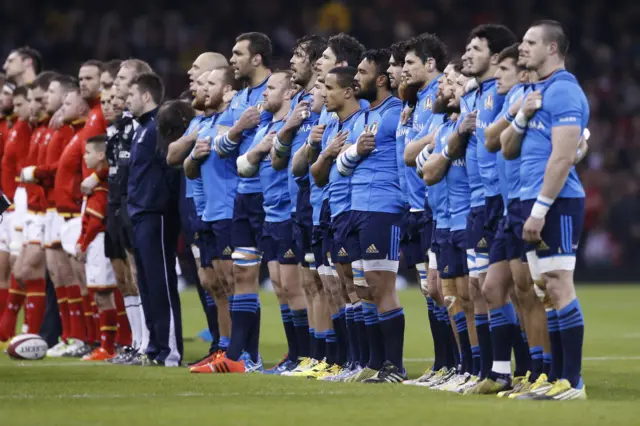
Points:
(27, 347)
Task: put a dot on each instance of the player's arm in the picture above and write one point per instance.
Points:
(457, 142)
(249, 163)
(583, 148)
(415, 147)
(179, 149)
(435, 169)
(314, 142)
(353, 150)
(94, 218)
(322, 167)
(564, 140)
(493, 132)
(511, 137)
(282, 143)
(229, 142)
(200, 152)
(300, 162)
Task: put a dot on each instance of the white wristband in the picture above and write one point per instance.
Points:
(352, 153)
(541, 207)
(445, 152)
(521, 120)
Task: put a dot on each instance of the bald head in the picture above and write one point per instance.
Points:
(207, 61)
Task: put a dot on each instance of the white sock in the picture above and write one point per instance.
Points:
(501, 367)
(132, 306)
(144, 332)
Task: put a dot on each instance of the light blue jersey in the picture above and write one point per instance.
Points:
(219, 175)
(438, 194)
(489, 104)
(338, 190)
(195, 123)
(563, 104)
(298, 142)
(468, 104)
(420, 119)
(197, 185)
(401, 133)
(251, 96)
(458, 189)
(509, 169)
(375, 185)
(277, 202)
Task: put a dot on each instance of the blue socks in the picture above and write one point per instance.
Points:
(435, 324)
(301, 325)
(374, 335)
(484, 340)
(571, 326)
(465, 346)
(363, 336)
(555, 372)
(331, 345)
(352, 332)
(244, 308)
(502, 326)
(536, 362)
(392, 325)
(290, 332)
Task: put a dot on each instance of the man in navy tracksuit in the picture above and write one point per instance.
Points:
(154, 189)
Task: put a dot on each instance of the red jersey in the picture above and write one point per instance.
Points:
(5, 126)
(69, 175)
(49, 156)
(96, 125)
(35, 192)
(93, 218)
(15, 153)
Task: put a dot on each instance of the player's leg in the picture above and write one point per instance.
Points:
(16, 292)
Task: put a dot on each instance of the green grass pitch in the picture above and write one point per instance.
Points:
(70, 392)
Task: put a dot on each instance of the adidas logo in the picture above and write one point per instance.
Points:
(542, 246)
(342, 252)
(482, 243)
(446, 269)
(372, 249)
(226, 251)
(289, 254)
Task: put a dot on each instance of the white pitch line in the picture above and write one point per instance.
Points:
(407, 360)
(179, 395)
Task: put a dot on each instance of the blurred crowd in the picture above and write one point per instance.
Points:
(605, 55)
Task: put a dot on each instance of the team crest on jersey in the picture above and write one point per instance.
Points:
(46, 139)
(92, 119)
(334, 115)
(260, 107)
(488, 102)
(372, 128)
(428, 103)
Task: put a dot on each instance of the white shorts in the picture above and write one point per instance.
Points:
(33, 228)
(5, 231)
(98, 267)
(52, 224)
(69, 234)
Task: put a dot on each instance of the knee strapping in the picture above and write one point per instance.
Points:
(309, 258)
(433, 261)
(357, 266)
(422, 271)
(246, 256)
(534, 268)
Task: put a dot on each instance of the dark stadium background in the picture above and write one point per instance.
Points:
(605, 54)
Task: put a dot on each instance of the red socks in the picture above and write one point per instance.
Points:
(10, 315)
(90, 327)
(77, 329)
(36, 304)
(124, 329)
(4, 295)
(63, 309)
(108, 329)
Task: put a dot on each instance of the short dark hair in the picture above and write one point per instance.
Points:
(554, 32)
(287, 74)
(229, 78)
(346, 48)
(173, 120)
(43, 80)
(380, 57)
(428, 46)
(112, 67)
(94, 63)
(31, 53)
(67, 82)
(344, 76)
(152, 84)
(259, 44)
(398, 51)
(20, 91)
(457, 65)
(498, 36)
(313, 45)
(99, 141)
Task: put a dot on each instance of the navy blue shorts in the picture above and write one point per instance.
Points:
(453, 257)
(222, 231)
(303, 224)
(439, 245)
(475, 231)
(562, 227)
(343, 240)
(411, 244)
(277, 242)
(508, 241)
(206, 242)
(316, 245)
(493, 213)
(377, 235)
(248, 217)
(189, 219)
(324, 234)
(427, 235)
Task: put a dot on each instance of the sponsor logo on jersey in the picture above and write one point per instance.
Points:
(488, 102)
(428, 103)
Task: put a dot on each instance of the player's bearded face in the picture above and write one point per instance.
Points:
(533, 51)
(214, 91)
(134, 101)
(365, 80)
(6, 102)
(395, 73)
(89, 77)
(36, 107)
(117, 105)
(414, 69)
(53, 97)
(479, 56)
(241, 60)
(301, 66)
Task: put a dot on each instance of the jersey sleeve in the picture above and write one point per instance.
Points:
(563, 102)
(94, 215)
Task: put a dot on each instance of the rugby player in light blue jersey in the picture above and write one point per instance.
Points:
(377, 205)
(251, 59)
(341, 50)
(339, 97)
(218, 176)
(277, 241)
(444, 267)
(546, 133)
